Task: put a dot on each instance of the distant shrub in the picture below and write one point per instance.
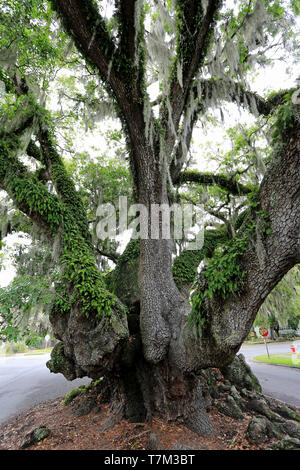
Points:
(34, 341)
(16, 347)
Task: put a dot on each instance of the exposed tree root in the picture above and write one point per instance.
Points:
(235, 391)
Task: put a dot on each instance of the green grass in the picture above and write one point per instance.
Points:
(282, 339)
(37, 352)
(34, 352)
(282, 359)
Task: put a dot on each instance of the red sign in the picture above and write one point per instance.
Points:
(263, 331)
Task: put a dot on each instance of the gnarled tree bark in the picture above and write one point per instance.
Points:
(151, 357)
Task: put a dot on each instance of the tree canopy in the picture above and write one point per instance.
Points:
(138, 78)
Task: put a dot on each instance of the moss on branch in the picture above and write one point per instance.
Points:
(84, 23)
(219, 89)
(185, 266)
(223, 274)
(29, 195)
(229, 184)
(85, 288)
(63, 184)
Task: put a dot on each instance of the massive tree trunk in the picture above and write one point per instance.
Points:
(152, 358)
(159, 296)
(159, 368)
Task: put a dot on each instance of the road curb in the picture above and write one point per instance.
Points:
(276, 365)
(269, 342)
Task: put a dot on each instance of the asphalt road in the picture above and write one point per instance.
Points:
(278, 382)
(25, 381)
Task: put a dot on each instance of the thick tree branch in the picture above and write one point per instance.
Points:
(83, 283)
(63, 184)
(117, 69)
(221, 216)
(117, 64)
(34, 151)
(195, 28)
(266, 256)
(127, 26)
(215, 90)
(87, 28)
(208, 179)
(54, 167)
(29, 195)
(22, 120)
(113, 256)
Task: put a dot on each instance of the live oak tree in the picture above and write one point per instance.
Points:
(135, 326)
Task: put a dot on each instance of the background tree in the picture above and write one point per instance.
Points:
(147, 341)
(282, 305)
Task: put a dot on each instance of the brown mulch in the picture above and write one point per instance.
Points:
(69, 432)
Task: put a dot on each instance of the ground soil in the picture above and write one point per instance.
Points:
(69, 432)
